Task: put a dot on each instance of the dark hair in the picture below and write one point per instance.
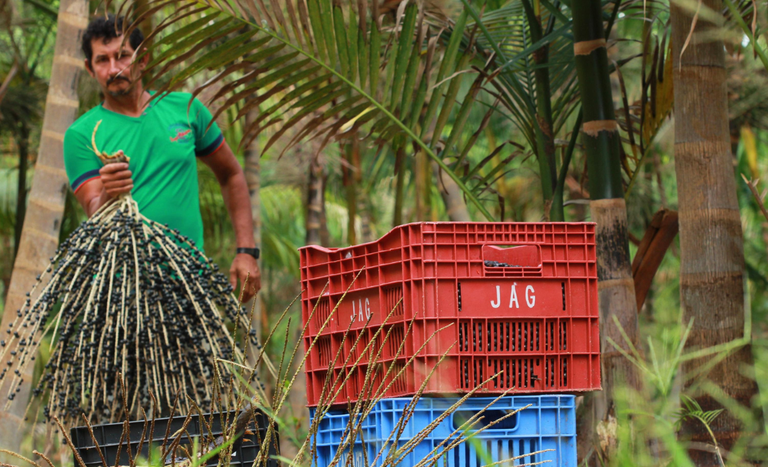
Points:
(108, 28)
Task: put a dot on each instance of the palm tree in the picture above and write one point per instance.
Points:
(532, 61)
(40, 236)
(21, 109)
(712, 257)
(601, 139)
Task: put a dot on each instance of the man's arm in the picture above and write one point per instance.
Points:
(113, 180)
(234, 189)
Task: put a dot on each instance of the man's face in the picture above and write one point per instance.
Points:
(112, 67)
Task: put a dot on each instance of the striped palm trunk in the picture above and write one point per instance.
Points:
(40, 235)
(712, 256)
(601, 140)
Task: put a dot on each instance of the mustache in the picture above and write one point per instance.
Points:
(116, 78)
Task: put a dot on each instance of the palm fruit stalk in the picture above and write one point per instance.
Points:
(125, 297)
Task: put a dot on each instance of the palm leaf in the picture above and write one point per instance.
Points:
(507, 33)
(315, 69)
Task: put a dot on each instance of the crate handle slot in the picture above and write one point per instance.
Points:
(520, 256)
(486, 418)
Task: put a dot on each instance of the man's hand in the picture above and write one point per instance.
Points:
(116, 179)
(245, 265)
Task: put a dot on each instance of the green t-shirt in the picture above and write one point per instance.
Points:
(162, 145)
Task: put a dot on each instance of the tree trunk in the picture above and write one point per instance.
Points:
(315, 204)
(7, 80)
(21, 190)
(352, 177)
(140, 6)
(616, 291)
(42, 223)
(422, 177)
(453, 198)
(397, 218)
(545, 140)
(712, 257)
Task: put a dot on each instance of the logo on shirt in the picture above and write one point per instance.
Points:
(180, 133)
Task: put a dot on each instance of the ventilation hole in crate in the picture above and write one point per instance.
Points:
(463, 336)
(524, 337)
(516, 337)
(464, 372)
(352, 348)
(368, 388)
(562, 287)
(508, 374)
(529, 337)
(517, 373)
(530, 329)
(494, 383)
(532, 447)
(549, 372)
(323, 311)
(393, 300)
(399, 386)
(325, 351)
(522, 450)
(479, 337)
(549, 343)
(459, 454)
(365, 389)
(396, 338)
(491, 337)
(486, 418)
(478, 372)
(563, 335)
(565, 372)
(528, 373)
(507, 337)
(504, 337)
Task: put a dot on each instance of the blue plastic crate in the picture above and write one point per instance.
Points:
(548, 424)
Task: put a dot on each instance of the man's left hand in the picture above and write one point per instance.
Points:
(245, 265)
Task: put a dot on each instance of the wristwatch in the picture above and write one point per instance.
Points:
(249, 251)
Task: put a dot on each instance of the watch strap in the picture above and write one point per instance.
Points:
(249, 251)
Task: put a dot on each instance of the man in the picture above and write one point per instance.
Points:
(163, 140)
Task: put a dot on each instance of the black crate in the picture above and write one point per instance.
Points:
(108, 436)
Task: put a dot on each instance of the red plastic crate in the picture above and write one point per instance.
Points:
(518, 297)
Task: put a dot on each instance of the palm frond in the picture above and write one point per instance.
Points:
(507, 33)
(322, 69)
